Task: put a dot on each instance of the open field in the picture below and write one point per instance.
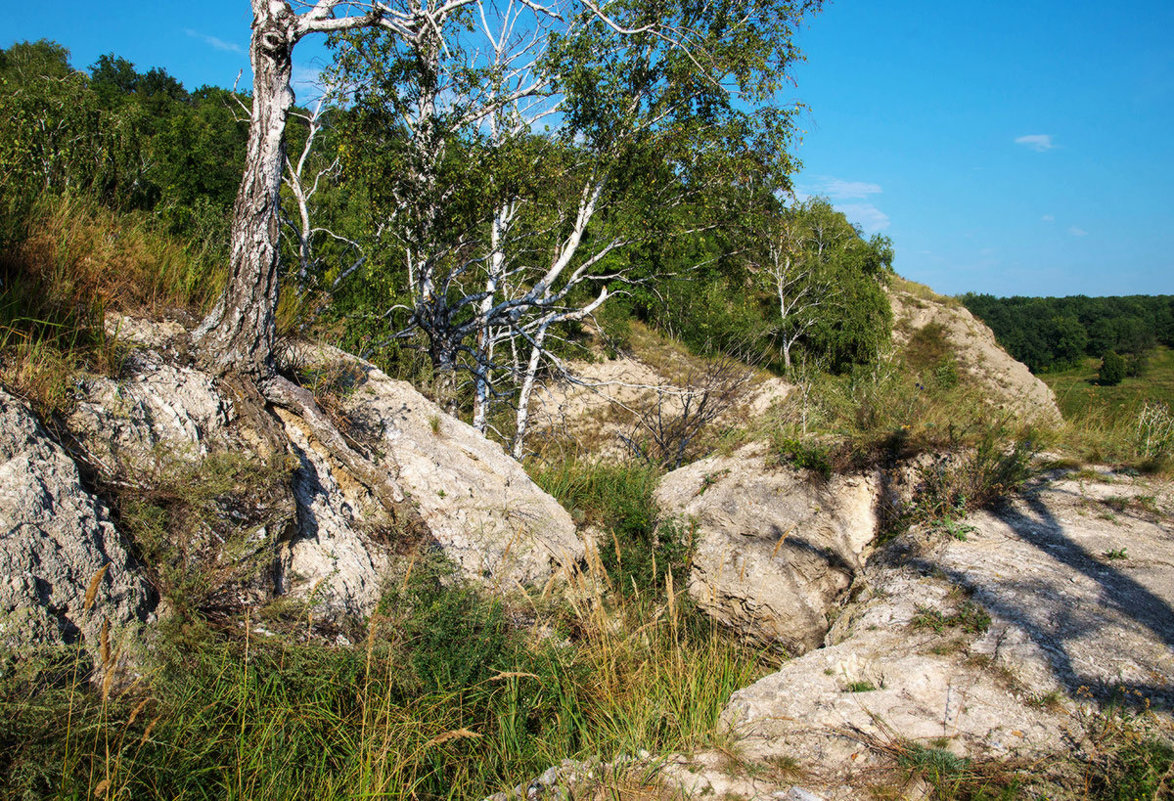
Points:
(1077, 391)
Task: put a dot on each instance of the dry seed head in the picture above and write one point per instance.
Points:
(107, 682)
(149, 729)
(105, 644)
(134, 715)
(454, 734)
(95, 583)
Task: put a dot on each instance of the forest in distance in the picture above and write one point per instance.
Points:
(1049, 334)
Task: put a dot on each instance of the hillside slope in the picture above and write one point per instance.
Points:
(1011, 386)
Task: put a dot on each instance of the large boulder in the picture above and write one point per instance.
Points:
(992, 645)
(777, 548)
(56, 543)
(331, 534)
(478, 505)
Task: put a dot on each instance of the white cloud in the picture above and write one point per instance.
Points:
(859, 210)
(1037, 142)
(870, 219)
(1077, 231)
(1048, 218)
(214, 42)
(848, 190)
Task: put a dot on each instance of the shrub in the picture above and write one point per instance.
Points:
(1112, 369)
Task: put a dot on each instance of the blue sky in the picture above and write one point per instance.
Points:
(1005, 147)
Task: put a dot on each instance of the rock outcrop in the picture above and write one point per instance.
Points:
(612, 400)
(480, 507)
(158, 410)
(776, 548)
(984, 646)
(56, 542)
(330, 537)
(1007, 382)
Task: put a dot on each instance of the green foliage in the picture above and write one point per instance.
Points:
(637, 549)
(127, 139)
(1112, 369)
(805, 455)
(729, 305)
(453, 636)
(1050, 334)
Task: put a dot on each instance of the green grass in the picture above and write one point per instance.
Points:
(1078, 392)
(442, 698)
(447, 693)
(1105, 423)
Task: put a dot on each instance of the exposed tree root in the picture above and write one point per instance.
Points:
(282, 392)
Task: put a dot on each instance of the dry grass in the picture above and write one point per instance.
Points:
(88, 255)
(921, 291)
(78, 261)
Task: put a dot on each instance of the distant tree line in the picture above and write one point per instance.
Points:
(1057, 333)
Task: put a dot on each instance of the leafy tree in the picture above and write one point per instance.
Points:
(1112, 369)
(505, 236)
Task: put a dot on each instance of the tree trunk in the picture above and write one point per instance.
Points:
(238, 334)
(518, 448)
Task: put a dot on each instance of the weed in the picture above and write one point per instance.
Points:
(205, 530)
(957, 777)
(1116, 553)
(709, 479)
(805, 455)
(78, 262)
(1117, 503)
(1129, 754)
(863, 686)
(970, 617)
(443, 698)
(954, 527)
(785, 766)
(1052, 701)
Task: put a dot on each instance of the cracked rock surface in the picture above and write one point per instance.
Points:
(989, 646)
(776, 548)
(55, 537)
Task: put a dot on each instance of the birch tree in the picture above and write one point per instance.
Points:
(794, 277)
(647, 107)
(238, 334)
